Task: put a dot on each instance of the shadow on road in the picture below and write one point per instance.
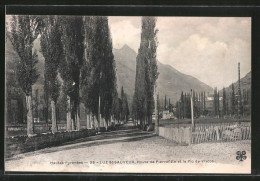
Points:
(102, 139)
(110, 135)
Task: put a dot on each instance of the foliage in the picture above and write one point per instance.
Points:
(72, 41)
(51, 48)
(25, 29)
(98, 76)
(125, 108)
(183, 106)
(146, 70)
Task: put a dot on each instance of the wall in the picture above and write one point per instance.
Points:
(22, 144)
(181, 135)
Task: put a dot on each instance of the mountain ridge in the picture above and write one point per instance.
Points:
(171, 82)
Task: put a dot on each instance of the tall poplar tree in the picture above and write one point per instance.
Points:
(51, 47)
(89, 85)
(224, 102)
(98, 73)
(146, 70)
(108, 71)
(215, 102)
(24, 30)
(72, 41)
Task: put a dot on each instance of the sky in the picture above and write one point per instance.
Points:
(208, 48)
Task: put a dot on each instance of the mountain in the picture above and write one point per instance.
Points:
(125, 70)
(11, 58)
(245, 84)
(170, 81)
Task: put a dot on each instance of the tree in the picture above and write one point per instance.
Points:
(13, 90)
(125, 108)
(24, 30)
(233, 100)
(107, 69)
(165, 105)
(98, 73)
(88, 77)
(51, 47)
(46, 98)
(72, 41)
(146, 73)
(36, 104)
(218, 110)
(115, 106)
(152, 68)
(204, 103)
(158, 105)
(183, 108)
(215, 102)
(224, 102)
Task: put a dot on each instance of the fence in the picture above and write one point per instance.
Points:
(180, 135)
(221, 132)
(21, 129)
(218, 132)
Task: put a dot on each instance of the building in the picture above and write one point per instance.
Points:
(209, 103)
(166, 115)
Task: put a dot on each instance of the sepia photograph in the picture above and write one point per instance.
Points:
(127, 94)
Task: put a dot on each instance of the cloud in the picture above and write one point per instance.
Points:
(214, 63)
(124, 31)
(207, 48)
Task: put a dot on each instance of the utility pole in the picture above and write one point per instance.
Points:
(155, 112)
(192, 119)
(239, 92)
(165, 103)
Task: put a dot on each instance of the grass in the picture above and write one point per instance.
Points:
(203, 120)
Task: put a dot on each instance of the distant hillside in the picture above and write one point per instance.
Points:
(245, 83)
(170, 82)
(125, 70)
(11, 56)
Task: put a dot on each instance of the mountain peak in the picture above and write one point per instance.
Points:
(125, 47)
(125, 51)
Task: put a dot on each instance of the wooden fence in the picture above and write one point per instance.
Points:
(202, 133)
(221, 132)
(180, 135)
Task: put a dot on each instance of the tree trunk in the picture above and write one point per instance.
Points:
(106, 124)
(73, 124)
(30, 131)
(77, 119)
(99, 116)
(53, 117)
(93, 121)
(69, 122)
(88, 120)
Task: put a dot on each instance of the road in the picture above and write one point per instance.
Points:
(134, 151)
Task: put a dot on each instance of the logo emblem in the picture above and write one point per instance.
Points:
(241, 156)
